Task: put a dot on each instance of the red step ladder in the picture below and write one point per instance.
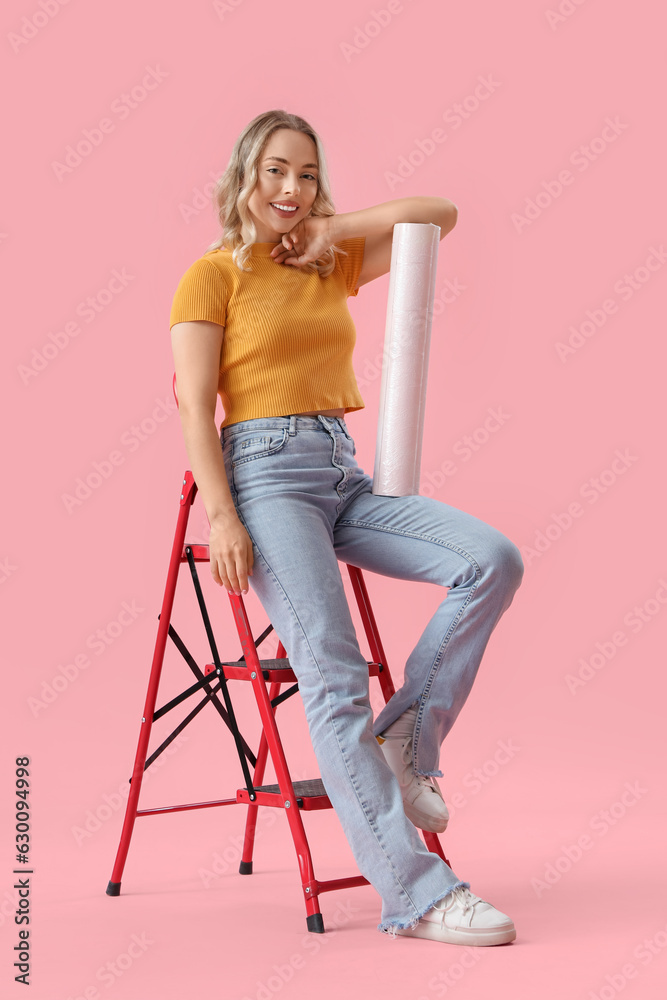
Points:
(292, 797)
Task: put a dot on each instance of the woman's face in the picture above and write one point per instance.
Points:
(286, 175)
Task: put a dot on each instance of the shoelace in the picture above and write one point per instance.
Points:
(462, 895)
(423, 780)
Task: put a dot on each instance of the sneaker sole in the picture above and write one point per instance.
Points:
(479, 936)
(428, 823)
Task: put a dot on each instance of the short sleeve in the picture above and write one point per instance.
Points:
(350, 264)
(201, 294)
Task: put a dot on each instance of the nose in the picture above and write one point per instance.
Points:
(291, 187)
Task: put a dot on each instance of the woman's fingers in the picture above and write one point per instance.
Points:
(232, 557)
(232, 574)
(305, 242)
(282, 254)
(291, 243)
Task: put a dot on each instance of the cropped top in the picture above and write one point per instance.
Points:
(289, 336)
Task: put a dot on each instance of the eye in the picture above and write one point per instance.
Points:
(310, 176)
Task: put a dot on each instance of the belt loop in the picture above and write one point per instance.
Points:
(292, 424)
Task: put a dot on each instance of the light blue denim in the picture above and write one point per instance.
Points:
(306, 504)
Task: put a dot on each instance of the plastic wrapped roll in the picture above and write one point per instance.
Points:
(414, 259)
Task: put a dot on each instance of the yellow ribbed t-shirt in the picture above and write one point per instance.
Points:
(289, 335)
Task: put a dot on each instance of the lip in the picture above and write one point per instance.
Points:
(285, 215)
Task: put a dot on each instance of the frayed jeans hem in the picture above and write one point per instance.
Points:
(391, 926)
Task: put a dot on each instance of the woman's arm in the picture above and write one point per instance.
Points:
(197, 347)
(381, 219)
(312, 235)
(377, 225)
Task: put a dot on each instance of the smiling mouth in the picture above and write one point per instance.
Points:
(284, 211)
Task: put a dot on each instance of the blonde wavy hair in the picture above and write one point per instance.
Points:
(234, 188)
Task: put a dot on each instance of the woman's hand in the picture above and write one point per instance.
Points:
(230, 551)
(309, 239)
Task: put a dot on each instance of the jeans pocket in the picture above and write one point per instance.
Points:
(349, 437)
(250, 446)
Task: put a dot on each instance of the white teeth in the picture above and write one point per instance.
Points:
(285, 208)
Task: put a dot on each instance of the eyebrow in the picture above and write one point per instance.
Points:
(281, 160)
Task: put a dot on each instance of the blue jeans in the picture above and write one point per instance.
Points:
(306, 504)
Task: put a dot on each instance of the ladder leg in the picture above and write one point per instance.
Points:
(432, 841)
(314, 918)
(245, 867)
(372, 632)
(189, 490)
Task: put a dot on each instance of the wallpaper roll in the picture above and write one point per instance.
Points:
(414, 258)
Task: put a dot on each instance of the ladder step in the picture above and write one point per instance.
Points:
(272, 670)
(310, 794)
(279, 664)
(304, 789)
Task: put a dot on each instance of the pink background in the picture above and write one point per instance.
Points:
(138, 205)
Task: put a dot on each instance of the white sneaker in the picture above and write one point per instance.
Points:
(461, 917)
(422, 799)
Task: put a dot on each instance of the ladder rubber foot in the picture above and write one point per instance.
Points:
(245, 868)
(113, 889)
(315, 923)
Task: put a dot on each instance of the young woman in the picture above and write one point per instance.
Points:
(262, 320)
